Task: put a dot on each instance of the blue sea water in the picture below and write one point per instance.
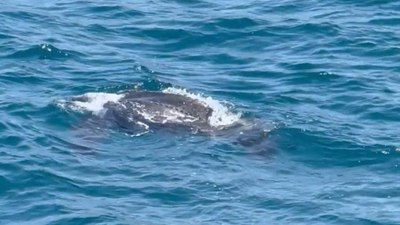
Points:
(323, 74)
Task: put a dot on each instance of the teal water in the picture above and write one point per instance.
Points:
(323, 74)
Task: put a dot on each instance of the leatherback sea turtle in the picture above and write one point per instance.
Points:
(138, 111)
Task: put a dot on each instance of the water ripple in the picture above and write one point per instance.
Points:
(322, 75)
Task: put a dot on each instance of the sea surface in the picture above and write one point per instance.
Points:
(323, 77)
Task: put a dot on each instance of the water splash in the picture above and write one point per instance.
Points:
(222, 115)
(90, 102)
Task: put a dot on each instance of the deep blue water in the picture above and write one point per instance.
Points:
(324, 74)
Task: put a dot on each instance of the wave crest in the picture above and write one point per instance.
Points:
(42, 51)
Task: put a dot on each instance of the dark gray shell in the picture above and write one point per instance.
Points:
(155, 109)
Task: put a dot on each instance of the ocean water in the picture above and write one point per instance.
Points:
(322, 76)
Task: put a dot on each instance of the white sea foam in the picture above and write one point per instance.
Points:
(92, 102)
(221, 116)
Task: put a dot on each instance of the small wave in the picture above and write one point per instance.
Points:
(42, 51)
(6, 36)
(236, 23)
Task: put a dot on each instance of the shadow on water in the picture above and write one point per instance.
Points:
(256, 142)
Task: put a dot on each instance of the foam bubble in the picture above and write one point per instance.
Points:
(221, 115)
